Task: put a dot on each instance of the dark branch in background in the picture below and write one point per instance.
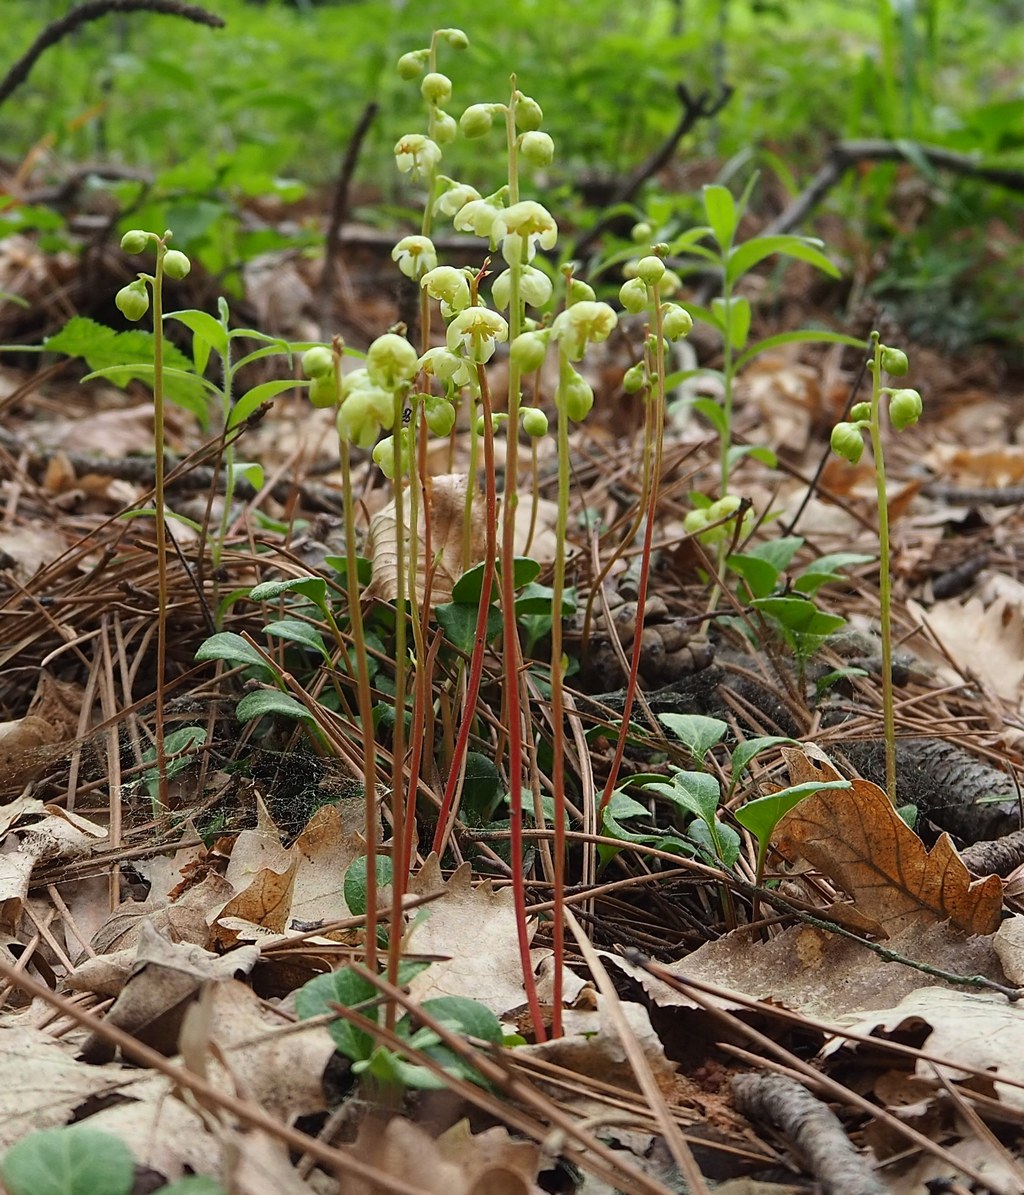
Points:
(340, 204)
(847, 154)
(695, 109)
(91, 11)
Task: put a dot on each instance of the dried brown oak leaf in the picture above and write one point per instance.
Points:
(860, 842)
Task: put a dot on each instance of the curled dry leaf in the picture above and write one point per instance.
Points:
(452, 547)
(28, 744)
(860, 842)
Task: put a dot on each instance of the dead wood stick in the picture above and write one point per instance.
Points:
(846, 154)
(93, 9)
(340, 203)
(695, 109)
(811, 1128)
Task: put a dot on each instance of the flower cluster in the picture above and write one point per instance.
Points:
(905, 407)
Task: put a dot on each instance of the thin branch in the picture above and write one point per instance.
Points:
(340, 202)
(57, 30)
(695, 109)
(846, 154)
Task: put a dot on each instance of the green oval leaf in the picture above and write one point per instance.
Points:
(258, 395)
(203, 325)
(297, 631)
(762, 815)
(68, 1161)
(226, 645)
(470, 585)
(272, 702)
(698, 733)
(744, 257)
(350, 990)
(313, 588)
(721, 210)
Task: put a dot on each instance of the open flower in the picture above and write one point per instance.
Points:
(475, 332)
(446, 367)
(415, 256)
(449, 285)
(479, 217)
(456, 197)
(583, 323)
(521, 228)
(534, 288)
(416, 155)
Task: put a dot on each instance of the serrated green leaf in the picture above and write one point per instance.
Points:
(269, 702)
(68, 1161)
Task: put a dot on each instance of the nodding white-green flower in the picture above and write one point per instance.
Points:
(363, 411)
(475, 332)
(455, 198)
(417, 155)
(479, 217)
(449, 285)
(391, 361)
(521, 228)
(534, 288)
(583, 323)
(415, 256)
(446, 367)
(445, 128)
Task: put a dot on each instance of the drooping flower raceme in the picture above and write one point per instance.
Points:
(416, 155)
(415, 255)
(475, 332)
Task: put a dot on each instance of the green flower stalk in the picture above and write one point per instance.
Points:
(905, 407)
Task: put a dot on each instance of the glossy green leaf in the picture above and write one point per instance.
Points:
(313, 588)
(354, 884)
(745, 753)
(826, 571)
(347, 988)
(470, 585)
(762, 815)
(258, 395)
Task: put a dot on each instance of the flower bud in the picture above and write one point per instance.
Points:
(528, 351)
(384, 456)
(905, 407)
(537, 148)
(391, 361)
(528, 113)
(633, 296)
(439, 414)
(894, 361)
(580, 292)
(176, 264)
(134, 241)
(577, 398)
(476, 121)
(635, 378)
(695, 521)
(650, 269)
(860, 411)
(847, 442)
(454, 38)
(323, 389)
(535, 422)
(445, 128)
(317, 361)
(676, 322)
(133, 300)
(641, 233)
(410, 65)
(436, 88)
